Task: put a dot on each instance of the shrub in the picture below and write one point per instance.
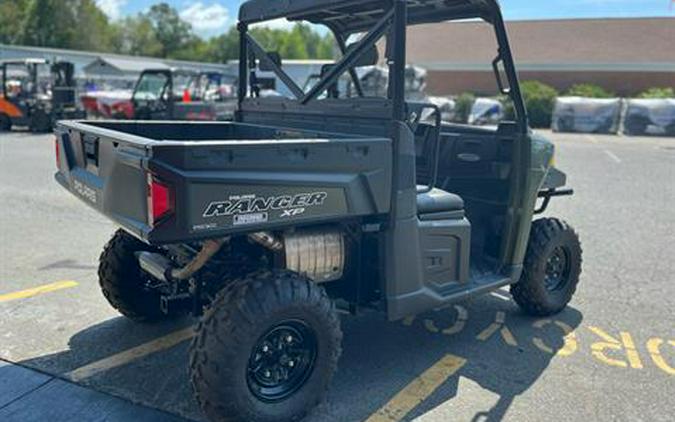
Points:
(658, 93)
(463, 106)
(539, 100)
(589, 91)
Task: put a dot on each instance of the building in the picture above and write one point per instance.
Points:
(92, 65)
(625, 56)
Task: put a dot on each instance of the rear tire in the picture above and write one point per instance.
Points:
(551, 270)
(122, 280)
(240, 364)
(5, 123)
(41, 122)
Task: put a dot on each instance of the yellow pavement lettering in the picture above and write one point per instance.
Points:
(499, 325)
(418, 390)
(456, 328)
(654, 348)
(127, 356)
(570, 346)
(24, 294)
(626, 343)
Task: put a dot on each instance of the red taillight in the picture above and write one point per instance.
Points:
(57, 152)
(160, 200)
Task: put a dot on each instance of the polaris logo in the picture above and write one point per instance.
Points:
(244, 204)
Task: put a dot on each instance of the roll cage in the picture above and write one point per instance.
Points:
(375, 19)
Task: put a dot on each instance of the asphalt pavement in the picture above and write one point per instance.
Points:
(66, 355)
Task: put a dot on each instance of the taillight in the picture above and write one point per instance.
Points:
(160, 200)
(57, 152)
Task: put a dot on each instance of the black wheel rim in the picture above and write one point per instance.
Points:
(281, 361)
(557, 269)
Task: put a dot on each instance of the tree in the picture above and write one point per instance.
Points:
(159, 32)
(77, 24)
(135, 36)
(171, 31)
(12, 14)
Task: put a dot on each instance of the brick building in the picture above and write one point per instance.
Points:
(625, 56)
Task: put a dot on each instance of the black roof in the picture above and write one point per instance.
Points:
(347, 16)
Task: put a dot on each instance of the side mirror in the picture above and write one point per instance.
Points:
(369, 58)
(274, 57)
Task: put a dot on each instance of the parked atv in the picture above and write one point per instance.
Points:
(28, 100)
(266, 226)
(179, 94)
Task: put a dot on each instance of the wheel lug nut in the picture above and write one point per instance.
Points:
(291, 363)
(268, 374)
(289, 339)
(265, 349)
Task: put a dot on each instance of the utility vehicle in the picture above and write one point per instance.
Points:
(268, 225)
(179, 94)
(28, 100)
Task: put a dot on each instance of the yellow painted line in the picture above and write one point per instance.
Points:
(418, 390)
(24, 294)
(127, 356)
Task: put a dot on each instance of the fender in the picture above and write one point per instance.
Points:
(9, 109)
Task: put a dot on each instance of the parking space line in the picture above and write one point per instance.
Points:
(593, 139)
(130, 355)
(418, 390)
(613, 156)
(24, 294)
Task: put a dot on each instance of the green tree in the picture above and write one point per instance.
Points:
(76, 24)
(135, 36)
(12, 14)
(171, 31)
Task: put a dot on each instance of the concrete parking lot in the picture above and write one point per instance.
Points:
(66, 355)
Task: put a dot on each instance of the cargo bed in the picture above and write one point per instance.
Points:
(168, 182)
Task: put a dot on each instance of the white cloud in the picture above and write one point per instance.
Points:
(206, 18)
(112, 8)
(280, 23)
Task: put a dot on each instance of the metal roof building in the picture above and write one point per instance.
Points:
(104, 65)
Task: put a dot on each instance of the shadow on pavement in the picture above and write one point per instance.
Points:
(379, 360)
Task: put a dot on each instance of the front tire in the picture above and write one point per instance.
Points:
(122, 281)
(5, 123)
(266, 350)
(551, 270)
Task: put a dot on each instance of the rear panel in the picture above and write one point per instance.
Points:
(223, 187)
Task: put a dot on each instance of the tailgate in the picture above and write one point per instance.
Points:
(106, 171)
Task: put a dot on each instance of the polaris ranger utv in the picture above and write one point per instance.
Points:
(266, 226)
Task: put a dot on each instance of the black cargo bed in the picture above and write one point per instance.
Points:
(224, 177)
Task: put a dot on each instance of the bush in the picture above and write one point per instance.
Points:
(463, 106)
(589, 91)
(539, 100)
(658, 93)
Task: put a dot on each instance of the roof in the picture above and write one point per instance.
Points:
(347, 16)
(644, 44)
(23, 61)
(106, 64)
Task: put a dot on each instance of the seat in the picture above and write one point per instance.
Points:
(439, 203)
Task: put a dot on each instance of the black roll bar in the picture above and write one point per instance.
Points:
(348, 60)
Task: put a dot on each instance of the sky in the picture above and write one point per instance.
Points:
(213, 17)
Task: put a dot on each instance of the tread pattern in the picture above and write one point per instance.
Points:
(530, 293)
(120, 279)
(236, 317)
